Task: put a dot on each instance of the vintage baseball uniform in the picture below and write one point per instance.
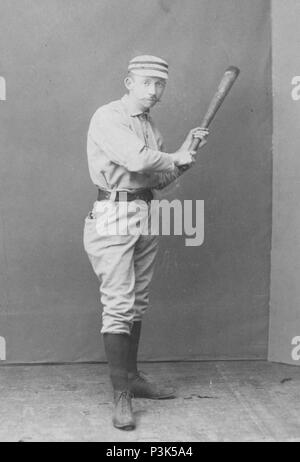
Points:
(125, 153)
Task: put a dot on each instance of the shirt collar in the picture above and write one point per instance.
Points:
(132, 109)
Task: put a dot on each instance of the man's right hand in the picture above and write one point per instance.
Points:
(183, 157)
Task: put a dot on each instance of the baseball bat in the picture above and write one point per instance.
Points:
(228, 79)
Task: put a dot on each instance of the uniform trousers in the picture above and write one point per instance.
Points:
(122, 255)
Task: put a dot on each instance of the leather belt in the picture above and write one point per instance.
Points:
(143, 195)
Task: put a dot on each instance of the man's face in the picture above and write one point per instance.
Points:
(146, 91)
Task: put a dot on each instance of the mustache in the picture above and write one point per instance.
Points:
(155, 99)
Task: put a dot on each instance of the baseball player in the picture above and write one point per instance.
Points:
(127, 161)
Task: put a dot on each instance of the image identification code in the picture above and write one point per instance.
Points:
(156, 451)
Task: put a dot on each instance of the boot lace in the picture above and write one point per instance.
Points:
(124, 397)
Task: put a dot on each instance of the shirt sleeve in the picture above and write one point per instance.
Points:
(164, 179)
(110, 130)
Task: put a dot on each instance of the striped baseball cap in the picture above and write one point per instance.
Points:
(149, 66)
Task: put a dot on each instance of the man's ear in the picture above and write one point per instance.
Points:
(128, 82)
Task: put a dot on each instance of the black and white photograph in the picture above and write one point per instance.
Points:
(149, 223)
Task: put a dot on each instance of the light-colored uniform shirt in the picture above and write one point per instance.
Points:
(125, 149)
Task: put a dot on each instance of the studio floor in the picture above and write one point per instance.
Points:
(217, 401)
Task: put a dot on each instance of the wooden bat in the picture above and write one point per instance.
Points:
(228, 79)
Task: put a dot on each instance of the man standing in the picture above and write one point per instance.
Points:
(127, 161)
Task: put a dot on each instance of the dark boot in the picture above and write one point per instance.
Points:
(139, 385)
(117, 348)
(142, 387)
(123, 417)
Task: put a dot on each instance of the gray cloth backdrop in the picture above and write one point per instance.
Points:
(63, 59)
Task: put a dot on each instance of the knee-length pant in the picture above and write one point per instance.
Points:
(123, 263)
